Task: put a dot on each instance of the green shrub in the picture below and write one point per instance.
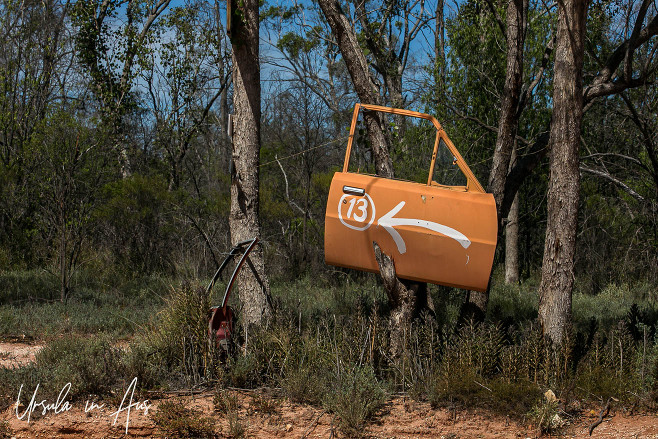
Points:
(304, 385)
(544, 416)
(27, 285)
(244, 371)
(513, 302)
(264, 403)
(177, 421)
(236, 429)
(92, 366)
(456, 387)
(355, 398)
(138, 228)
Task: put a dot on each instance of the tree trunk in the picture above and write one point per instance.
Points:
(440, 45)
(407, 300)
(508, 119)
(393, 84)
(243, 219)
(364, 83)
(512, 236)
(564, 185)
(63, 284)
(439, 57)
(512, 244)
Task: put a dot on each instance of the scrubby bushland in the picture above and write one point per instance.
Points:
(327, 346)
(99, 302)
(92, 366)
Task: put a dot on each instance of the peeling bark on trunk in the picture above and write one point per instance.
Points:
(564, 185)
(243, 219)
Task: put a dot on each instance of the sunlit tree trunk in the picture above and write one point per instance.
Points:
(243, 219)
(564, 185)
(364, 85)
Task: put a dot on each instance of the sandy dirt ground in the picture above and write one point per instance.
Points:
(17, 354)
(401, 418)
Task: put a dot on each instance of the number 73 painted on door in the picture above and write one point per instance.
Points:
(435, 233)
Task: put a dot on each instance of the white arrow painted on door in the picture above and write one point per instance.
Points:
(389, 223)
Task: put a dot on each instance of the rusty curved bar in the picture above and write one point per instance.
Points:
(472, 182)
(252, 244)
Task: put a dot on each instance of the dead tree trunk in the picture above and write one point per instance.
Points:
(564, 184)
(407, 300)
(404, 302)
(243, 219)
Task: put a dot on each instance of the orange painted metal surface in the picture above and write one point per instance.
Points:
(438, 234)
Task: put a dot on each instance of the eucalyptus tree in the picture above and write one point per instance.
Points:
(111, 36)
(70, 168)
(514, 30)
(35, 78)
(623, 69)
(181, 81)
(617, 66)
(244, 219)
(564, 183)
(375, 41)
(307, 56)
(366, 84)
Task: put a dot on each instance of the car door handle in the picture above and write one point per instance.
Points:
(354, 190)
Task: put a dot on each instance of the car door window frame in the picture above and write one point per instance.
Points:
(472, 184)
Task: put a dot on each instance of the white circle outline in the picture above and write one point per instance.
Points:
(340, 215)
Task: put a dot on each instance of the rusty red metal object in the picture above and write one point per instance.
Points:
(220, 324)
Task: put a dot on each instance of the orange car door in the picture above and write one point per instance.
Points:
(437, 234)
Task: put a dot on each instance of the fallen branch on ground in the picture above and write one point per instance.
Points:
(603, 414)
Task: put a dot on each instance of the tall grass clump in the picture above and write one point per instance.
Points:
(355, 397)
(174, 349)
